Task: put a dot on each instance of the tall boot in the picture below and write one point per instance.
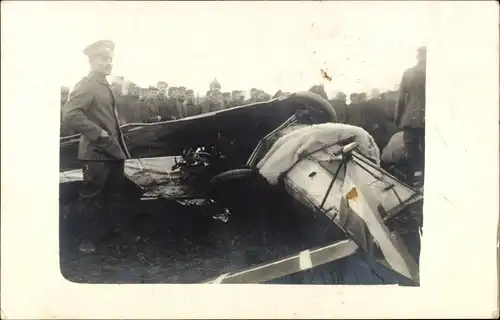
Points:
(84, 215)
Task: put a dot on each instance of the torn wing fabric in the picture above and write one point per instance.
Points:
(286, 150)
(361, 196)
(365, 225)
(144, 172)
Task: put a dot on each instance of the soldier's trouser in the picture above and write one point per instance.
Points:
(101, 195)
(414, 139)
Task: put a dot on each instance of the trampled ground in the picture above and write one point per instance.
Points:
(174, 244)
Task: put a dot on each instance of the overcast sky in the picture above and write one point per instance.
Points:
(277, 45)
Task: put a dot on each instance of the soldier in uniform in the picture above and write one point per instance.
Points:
(162, 88)
(340, 106)
(158, 102)
(91, 110)
(377, 120)
(191, 108)
(153, 105)
(181, 94)
(226, 99)
(173, 108)
(132, 101)
(237, 99)
(362, 97)
(153, 92)
(213, 101)
(124, 110)
(410, 115)
(262, 96)
(253, 96)
(355, 110)
(143, 94)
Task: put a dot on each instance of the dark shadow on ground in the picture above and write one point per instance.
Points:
(178, 244)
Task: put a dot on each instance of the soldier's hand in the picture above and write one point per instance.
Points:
(104, 134)
(158, 118)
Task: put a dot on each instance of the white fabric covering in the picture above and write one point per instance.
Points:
(287, 149)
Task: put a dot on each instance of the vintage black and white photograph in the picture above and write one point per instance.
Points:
(195, 148)
(317, 159)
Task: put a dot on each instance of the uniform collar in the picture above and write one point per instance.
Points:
(98, 77)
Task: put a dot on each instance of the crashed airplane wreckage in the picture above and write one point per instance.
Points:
(293, 144)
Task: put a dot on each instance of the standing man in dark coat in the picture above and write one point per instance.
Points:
(173, 108)
(156, 102)
(355, 110)
(213, 101)
(376, 119)
(91, 110)
(410, 115)
(191, 108)
(340, 106)
(132, 101)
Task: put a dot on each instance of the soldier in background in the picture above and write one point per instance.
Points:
(253, 96)
(353, 98)
(132, 100)
(355, 110)
(153, 92)
(173, 109)
(126, 114)
(143, 103)
(157, 102)
(181, 94)
(226, 99)
(213, 101)
(362, 97)
(410, 115)
(162, 88)
(191, 108)
(262, 96)
(339, 103)
(172, 93)
(377, 120)
(143, 94)
(237, 99)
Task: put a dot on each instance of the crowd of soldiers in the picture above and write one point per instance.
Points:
(162, 103)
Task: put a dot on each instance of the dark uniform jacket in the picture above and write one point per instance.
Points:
(154, 108)
(356, 115)
(125, 111)
(171, 109)
(410, 106)
(212, 103)
(191, 109)
(341, 110)
(91, 108)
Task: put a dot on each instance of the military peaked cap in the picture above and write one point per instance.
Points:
(101, 47)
